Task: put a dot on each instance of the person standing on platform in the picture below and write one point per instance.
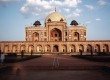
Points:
(2, 57)
(55, 61)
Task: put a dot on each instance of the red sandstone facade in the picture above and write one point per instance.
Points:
(55, 36)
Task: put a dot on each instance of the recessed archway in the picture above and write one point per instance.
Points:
(72, 48)
(22, 48)
(64, 47)
(81, 47)
(39, 48)
(47, 48)
(14, 48)
(89, 48)
(55, 48)
(35, 36)
(6, 48)
(76, 35)
(105, 48)
(30, 48)
(55, 35)
(97, 48)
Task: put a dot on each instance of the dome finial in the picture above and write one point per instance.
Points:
(55, 9)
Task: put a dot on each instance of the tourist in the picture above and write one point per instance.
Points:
(2, 57)
(55, 61)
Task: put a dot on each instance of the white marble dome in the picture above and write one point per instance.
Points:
(55, 16)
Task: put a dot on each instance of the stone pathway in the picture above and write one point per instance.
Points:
(65, 61)
(27, 70)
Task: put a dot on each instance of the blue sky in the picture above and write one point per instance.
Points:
(16, 14)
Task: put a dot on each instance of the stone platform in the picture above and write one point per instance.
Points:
(66, 62)
(69, 68)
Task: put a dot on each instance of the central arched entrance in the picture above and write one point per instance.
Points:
(55, 48)
(55, 35)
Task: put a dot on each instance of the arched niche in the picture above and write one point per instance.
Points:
(55, 35)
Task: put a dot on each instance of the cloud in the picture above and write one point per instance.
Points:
(36, 7)
(71, 3)
(66, 9)
(89, 7)
(77, 12)
(87, 22)
(102, 2)
(97, 19)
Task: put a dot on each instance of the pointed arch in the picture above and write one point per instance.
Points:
(55, 34)
(76, 36)
(22, 48)
(55, 48)
(89, 48)
(64, 47)
(35, 36)
(47, 48)
(72, 48)
(81, 47)
(105, 48)
(39, 48)
(14, 48)
(6, 48)
(30, 48)
(97, 48)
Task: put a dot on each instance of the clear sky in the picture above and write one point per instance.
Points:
(16, 14)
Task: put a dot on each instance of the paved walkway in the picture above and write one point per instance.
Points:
(27, 70)
(46, 61)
